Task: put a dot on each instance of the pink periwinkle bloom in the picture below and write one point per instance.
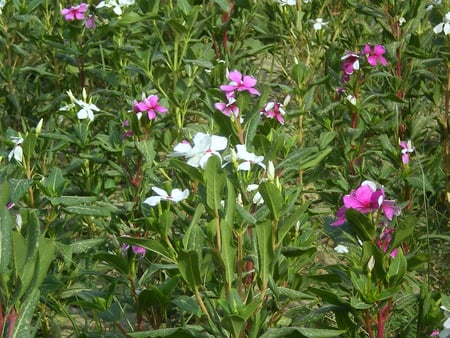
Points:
(435, 333)
(239, 83)
(149, 105)
(75, 12)
(274, 110)
(407, 149)
(229, 108)
(90, 22)
(385, 240)
(376, 55)
(366, 199)
(350, 63)
(136, 249)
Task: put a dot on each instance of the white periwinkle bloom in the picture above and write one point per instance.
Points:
(17, 151)
(341, 249)
(248, 158)
(287, 2)
(444, 25)
(205, 146)
(116, 5)
(2, 4)
(87, 109)
(257, 198)
(176, 195)
(351, 99)
(319, 24)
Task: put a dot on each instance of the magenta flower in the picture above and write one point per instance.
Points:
(376, 55)
(385, 240)
(149, 105)
(75, 12)
(136, 249)
(407, 149)
(435, 333)
(274, 110)
(366, 199)
(90, 22)
(239, 83)
(350, 63)
(229, 108)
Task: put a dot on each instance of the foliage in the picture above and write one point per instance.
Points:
(173, 168)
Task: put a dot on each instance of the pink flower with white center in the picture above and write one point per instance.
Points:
(366, 199)
(376, 55)
(176, 195)
(149, 105)
(75, 12)
(407, 149)
(239, 83)
(274, 110)
(229, 108)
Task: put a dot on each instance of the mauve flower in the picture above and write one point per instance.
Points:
(229, 108)
(90, 22)
(239, 83)
(149, 105)
(407, 149)
(366, 199)
(136, 249)
(75, 12)
(376, 55)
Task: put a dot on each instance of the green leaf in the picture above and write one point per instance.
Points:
(6, 225)
(54, 183)
(301, 332)
(300, 215)
(215, 182)
(165, 222)
(149, 244)
(118, 262)
(18, 188)
(88, 210)
(234, 324)
(189, 266)
(397, 269)
(188, 305)
(23, 327)
(265, 250)
(360, 224)
(72, 200)
(371, 250)
(228, 252)
(272, 198)
(147, 150)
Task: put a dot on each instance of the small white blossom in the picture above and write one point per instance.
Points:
(319, 24)
(444, 25)
(247, 158)
(351, 99)
(175, 196)
(87, 109)
(17, 151)
(341, 249)
(287, 2)
(116, 5)
(257, 198)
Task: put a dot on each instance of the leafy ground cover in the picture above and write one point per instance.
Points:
(224, 168)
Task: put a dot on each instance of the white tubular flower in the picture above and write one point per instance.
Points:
(243, 155)
(341, 249)
(176, 195)
(17, 151)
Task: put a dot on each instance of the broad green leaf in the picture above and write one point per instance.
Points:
(397, 269)
(165, 222)
(189, 266)
(264, 235)
(188, 331)
(300, 215)
(192, 238)
(228, 253)
(72, 200)
(272, 198)
(18, 188)
(6, 225)
(371, 250)
(403, 231)
(234, 324)
(23, 326)
(85, 245)
(54, 183)
(118, 262)
(147, 150)
(215, 181)
(360, 224)
(28, 145)
(88, 210)
(301, 332)
(188, 305)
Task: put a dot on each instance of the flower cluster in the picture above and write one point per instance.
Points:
(350, 60)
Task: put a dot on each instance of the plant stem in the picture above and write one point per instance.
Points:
(445, 123)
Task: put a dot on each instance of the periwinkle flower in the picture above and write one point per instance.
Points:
(376, 55)
(75, 12)
(407, 149)
(239, 83)
(229, 108)
(274, 110)
(443, 26)
(318, 24)
(176, 195)
(17, 151)
(149, 105)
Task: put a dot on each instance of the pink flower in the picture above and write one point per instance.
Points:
(75, 12)
(366, 199)
(149, 105)
(274, 110)
(239, 83)
(435, 333)
(90, 22)
(376, 55)
(350, 63)
(385, 240)
(136, 249)
(228, 108)
(407, 149)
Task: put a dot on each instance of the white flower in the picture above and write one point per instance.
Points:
(257, 198)
(116, 5)
(204, 147)
(248, 158)
(351, 99)
(341, 249)
(287, 2)
(175, 196)
(319, 23)
(401, 21)
(17, 151)
(2, 4)
(444, 25)
(87, 109)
